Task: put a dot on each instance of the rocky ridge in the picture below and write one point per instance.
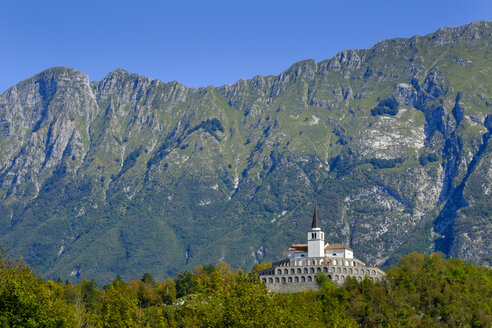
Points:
(131, 174)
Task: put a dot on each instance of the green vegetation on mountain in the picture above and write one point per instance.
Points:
(418, 291)
(129, 174)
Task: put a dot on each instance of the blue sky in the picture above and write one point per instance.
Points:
(202, 43)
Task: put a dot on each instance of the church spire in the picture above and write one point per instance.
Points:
(315, 223)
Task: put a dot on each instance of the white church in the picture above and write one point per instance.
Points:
(298, 271)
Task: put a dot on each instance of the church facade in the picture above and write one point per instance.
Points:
(298, 271)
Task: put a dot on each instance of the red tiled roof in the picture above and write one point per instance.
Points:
(298, 248)
(337, 246)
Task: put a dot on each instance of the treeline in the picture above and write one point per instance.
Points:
(420, 291)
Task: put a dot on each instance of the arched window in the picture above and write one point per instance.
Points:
(299, 271)
(334, 262)
(294, 263)
(373, 272)
(264, 280)
(339, 270)
(270, 280)
(342, 278)
(356, 271)
(329, 276)
(305, 270)
(300, 262)
(312, 270)
(276, 280)
(336, 278)
(303, 279)
(289, 279)
(279, 271)
(286, 271)
(314, 262)
(344, 270)
(307, 262)
(283, 280)
(309, 278)
(296, 279)
(318, 269)
(351, 271)
(292, 271)
(359, 278)
(332, 269)
(361, 271)
(325, 269)
(353, 263)
(346, 263)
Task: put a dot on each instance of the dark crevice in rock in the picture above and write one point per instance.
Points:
(445, 221)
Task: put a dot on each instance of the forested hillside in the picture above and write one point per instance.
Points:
(419, 291)
(130, 174)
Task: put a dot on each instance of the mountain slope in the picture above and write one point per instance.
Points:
(131, 175)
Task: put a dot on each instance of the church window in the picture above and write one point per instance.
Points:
(303, 279)
(344, 270)
(338, 270)
(305, 270)
(299, 271)
(309, 278)
(325, 269)
(290, 279)
(283, 280)
(276, 280)
(270, 280)
(296, 279)
(312, 270)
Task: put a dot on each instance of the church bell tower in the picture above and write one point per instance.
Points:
(316, 238)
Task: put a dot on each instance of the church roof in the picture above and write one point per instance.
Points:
(298, 248)
(337, 246)
(315, 223)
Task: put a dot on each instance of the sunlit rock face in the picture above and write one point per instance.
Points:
(131, 175)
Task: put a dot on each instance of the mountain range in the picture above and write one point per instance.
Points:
(130, 174)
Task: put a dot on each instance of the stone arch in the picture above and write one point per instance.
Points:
(339, 270)
(359, 278)
(286, 271)
(277, 280)
(311, 270)
(332, 269)
(289, 279)
(321, 261)
(270, 280)
(344, 270)
(279, 271)
(303, 279)
(353, 263)
(299, 270)
(361, 271)
(351, 271)
(334, 262)
(308, 262)
(296, 279)
(318, 269)
(356, 271)
(337, 278)
(310, 278)
(329, 276)
(346, 263)
(283, 280)
(305, 270)
(264, 280)
(292, 271)
(300, 262)
(373, 272)
(325, 269)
